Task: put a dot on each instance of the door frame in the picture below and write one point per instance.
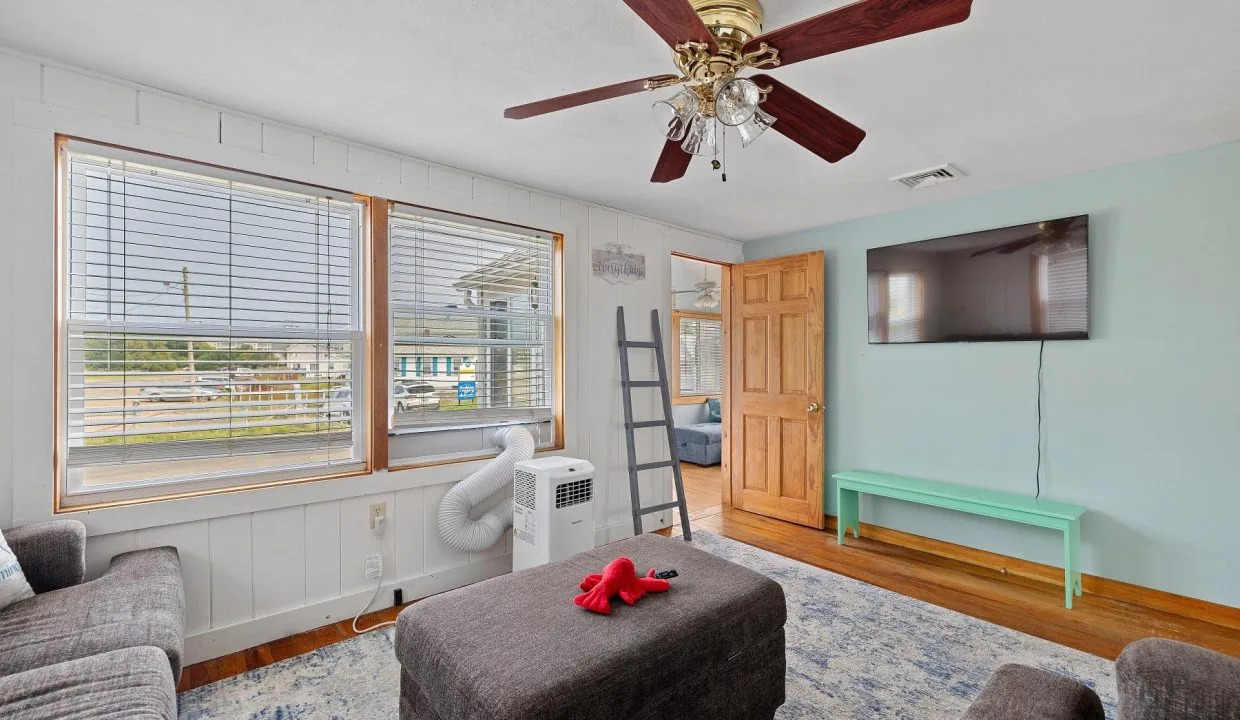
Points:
(725, 312)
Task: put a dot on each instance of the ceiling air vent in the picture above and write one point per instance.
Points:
(932, 176)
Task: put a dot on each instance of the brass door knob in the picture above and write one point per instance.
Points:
(814, 407)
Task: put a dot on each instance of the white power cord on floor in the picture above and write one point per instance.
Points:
(379, 528)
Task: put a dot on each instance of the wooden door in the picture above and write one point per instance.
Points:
(776, 376)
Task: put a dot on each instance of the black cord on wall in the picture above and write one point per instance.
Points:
(1038, 473)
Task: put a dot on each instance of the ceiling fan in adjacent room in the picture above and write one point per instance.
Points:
(714, 41)
(705, 294)
(1052, 236)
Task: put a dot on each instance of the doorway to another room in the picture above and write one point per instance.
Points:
(698, 379)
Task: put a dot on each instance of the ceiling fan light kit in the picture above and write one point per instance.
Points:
(714, 41)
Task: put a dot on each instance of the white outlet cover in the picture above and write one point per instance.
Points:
(374, 566)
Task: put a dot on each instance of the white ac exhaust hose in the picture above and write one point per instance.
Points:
(461, 532)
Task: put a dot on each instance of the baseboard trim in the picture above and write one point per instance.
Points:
(1161, 600)
(221, 641)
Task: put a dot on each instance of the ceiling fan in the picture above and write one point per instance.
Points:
(706, 294)
(1054, 236)
(714, 41)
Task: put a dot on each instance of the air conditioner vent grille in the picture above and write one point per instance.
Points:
(574, 492)
(929, 177)
(523, 489)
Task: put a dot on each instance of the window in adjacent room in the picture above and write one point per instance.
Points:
(475, 335)
(699, 367)
(211, 332)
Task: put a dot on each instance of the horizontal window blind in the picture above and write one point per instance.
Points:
(905, 313)
(701, 356)
(472, 323)
(209, 321)
(1067, 291)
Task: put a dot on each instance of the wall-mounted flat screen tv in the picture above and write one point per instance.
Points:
(1028, 282)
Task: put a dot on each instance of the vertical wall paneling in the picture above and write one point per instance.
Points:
(409, 521)
(322, 548)
(232, 571)
(279, 550)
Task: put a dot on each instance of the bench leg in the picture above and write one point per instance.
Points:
(849, 513)
(1076, 557)
(1071, 563)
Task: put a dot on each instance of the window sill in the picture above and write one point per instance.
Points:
(692, 399)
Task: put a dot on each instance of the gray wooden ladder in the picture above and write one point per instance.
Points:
(626, 386)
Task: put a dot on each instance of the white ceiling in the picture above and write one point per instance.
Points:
(1020, 92)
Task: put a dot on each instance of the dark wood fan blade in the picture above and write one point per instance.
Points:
(862, 23)
(673, 162)
(809, 124)
(585, 97)
(673, 20)
(1018, 245)
(1009, 247)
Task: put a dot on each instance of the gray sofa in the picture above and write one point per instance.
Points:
(108, 648)
(698, 440)
(1157, 680)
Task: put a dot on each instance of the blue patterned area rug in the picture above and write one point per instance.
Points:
(855, 651)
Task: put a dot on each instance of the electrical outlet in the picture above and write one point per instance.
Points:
(374, 566)
(378, 513)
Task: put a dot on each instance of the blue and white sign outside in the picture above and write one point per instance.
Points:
(467, 390)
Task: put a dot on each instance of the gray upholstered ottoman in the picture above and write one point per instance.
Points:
(516, 647)
(1020, 692)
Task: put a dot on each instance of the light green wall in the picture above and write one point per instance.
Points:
(1142, 422)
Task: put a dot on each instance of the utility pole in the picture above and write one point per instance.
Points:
(189, 342)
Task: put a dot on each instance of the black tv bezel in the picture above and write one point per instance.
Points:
(1047, 337)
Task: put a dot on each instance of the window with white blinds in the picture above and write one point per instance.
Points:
(212, 329)
(1067, 291)
(473, 333)
(701, 355)
(905, 313)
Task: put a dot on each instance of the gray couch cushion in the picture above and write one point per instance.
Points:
(516, 646)
(1168, 680)
(52, 554)
(138, 601)
(1018, 692)
(700, 434)
(129, 684)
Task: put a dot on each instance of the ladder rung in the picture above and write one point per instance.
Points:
(638, 344)
(646, 424)
(643, 383)
(656, 508)
(653, 465)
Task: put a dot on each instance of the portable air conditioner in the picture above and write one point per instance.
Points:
(552, 510)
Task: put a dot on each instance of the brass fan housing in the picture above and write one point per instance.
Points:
(732, 22)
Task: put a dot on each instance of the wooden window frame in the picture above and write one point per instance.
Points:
(677, 315)
(374, 305)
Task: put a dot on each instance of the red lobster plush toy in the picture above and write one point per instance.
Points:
(618, 578)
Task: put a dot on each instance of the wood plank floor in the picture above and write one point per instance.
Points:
(703, 488)
(1097, 625)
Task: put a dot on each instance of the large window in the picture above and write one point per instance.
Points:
(699, 347)
(473, 321)
(211, 328)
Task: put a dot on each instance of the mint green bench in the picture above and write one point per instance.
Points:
(1005, 506)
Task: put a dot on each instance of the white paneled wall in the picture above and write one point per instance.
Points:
(263, 564)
